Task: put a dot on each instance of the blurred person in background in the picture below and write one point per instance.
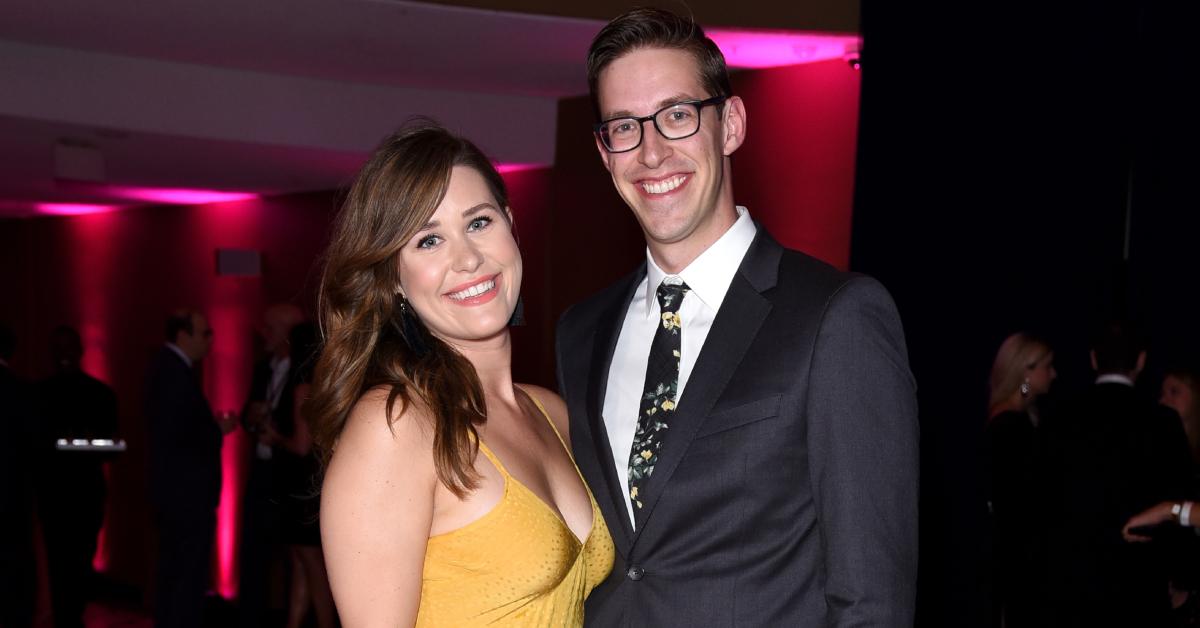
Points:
(1022, 372)
(296, 477)
(185, 470)
(71, 485)
(268, 404)
(18, 574)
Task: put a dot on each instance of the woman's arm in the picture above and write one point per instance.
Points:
(1156, 514)
(300, 442)
(376, 510)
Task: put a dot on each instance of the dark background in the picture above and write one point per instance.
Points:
(1002, 147)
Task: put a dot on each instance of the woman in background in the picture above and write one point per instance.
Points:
(1181, 392)
(296, 486)
(1022, 371)
(415, 382)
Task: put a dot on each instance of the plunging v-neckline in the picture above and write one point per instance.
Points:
(558, 516)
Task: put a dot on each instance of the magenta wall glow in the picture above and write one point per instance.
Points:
(750, 49)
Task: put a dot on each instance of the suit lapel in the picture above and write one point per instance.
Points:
(737, 323)
(603, 346)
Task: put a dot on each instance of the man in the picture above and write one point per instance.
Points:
(270, 397)
(1108, 456)
(185, 470)
(744, 413)
(18, 582)
(71, 486)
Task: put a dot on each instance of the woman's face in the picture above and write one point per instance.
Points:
(1177, 395)
(1041, 374)
(461, 272)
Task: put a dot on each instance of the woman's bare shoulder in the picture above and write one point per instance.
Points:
(371, 434)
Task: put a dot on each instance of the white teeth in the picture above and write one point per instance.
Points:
(474, 290)
(662, 187)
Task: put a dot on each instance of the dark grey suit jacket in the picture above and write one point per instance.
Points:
(786, 490)
(185, 441)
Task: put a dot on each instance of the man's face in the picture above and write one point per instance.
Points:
(275, 334)
(198, 343)
(677, 189)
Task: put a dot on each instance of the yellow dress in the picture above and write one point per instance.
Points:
(517, 565)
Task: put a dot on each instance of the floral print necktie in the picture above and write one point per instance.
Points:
(661, 389)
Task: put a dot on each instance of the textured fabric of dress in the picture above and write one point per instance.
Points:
(518, 565)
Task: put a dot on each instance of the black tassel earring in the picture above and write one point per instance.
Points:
(410, 328)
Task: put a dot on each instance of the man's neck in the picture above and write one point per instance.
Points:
(673, 257)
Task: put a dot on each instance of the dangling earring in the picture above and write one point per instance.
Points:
(409, 328)
(1025, 388)
(518, 316)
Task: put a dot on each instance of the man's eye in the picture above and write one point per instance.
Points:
(621, 128)
(682, 114)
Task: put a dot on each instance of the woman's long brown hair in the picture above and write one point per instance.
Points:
(393, 196)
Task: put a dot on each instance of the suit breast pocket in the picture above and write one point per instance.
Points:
(739, 416)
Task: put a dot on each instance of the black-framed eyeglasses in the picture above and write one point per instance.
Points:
(674, 122)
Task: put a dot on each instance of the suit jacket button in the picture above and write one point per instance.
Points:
(635, 573)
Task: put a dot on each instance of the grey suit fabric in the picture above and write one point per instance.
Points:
(786, 491)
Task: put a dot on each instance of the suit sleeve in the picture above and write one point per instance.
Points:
(863, 441)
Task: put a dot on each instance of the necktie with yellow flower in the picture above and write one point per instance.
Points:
(661, 389)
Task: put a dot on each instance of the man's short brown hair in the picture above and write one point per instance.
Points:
(656, 28)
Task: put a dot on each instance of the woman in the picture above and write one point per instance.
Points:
(296, 469)
(1022, 371)
(414, 383)
(1181, 393)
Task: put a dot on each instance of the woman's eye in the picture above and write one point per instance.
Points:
(428, 241)
(479, 223)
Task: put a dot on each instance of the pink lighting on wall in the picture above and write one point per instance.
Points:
(177, 196)
(507, 168)
(764, 49)
(72, 209)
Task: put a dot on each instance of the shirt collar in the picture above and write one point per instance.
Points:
(182, 356)
(1114, 378)
(709, 275)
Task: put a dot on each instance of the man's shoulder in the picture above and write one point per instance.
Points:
(809, 280)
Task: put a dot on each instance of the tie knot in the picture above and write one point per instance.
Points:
(670, 295)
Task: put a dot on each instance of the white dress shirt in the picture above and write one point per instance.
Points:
(1107, 378)
(708, 278)
(188, 361)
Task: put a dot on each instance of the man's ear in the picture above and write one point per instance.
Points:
(734, 124)
(1141, 364)
(603, 152)
(1095, 364)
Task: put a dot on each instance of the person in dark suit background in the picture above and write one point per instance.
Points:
(185, 470)
(71, 488)
(744, 413)
(269, 404)
(17, 576)
(1108, 455)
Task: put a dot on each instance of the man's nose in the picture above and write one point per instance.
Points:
(655, 148)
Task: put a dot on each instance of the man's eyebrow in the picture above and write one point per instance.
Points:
(433, 224)
(662, 104)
